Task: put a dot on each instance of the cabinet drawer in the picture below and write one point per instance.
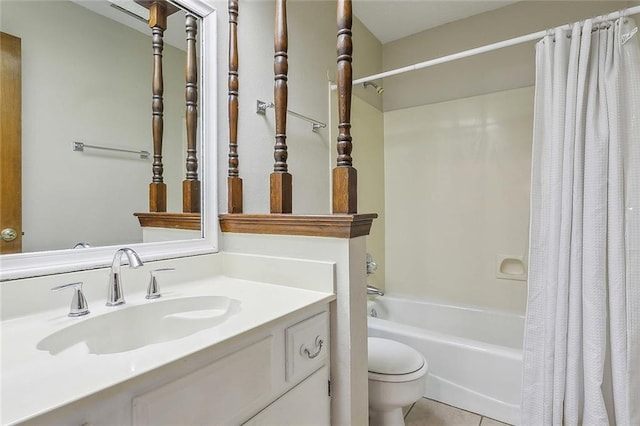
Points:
(307, 346)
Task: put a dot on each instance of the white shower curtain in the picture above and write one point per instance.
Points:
(582, 333)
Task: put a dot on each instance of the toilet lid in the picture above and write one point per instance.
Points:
(391, 357)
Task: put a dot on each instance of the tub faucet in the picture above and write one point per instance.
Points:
(374, 290)
(115, 296)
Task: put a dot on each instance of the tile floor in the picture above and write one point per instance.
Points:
(427, 412)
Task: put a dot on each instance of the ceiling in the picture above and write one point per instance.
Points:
(388, 20)
(391, 20)
(134, 15)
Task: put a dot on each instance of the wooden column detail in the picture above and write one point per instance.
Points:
(157, 187)
(281, 181)
(191, 185)
(189, 221)
(344, 174)
(234, 182)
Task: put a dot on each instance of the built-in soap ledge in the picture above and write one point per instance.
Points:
(511, 267)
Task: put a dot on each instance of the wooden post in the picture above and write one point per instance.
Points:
(344, 174)
(234, 182)
(157, 187)
(191, 185)
(159, 10)
(281, 181)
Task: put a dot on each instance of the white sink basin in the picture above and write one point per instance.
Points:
(133, 326)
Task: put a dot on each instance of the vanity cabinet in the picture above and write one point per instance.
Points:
(277, 374)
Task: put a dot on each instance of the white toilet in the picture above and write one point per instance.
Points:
(397, 375)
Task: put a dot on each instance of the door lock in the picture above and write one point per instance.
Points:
(8, 234)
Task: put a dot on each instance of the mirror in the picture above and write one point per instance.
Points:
(86, 74)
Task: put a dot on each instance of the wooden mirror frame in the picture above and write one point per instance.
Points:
(24, 265)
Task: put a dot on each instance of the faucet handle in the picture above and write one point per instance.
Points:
(371, 265)
(79, 305)
(153, 290)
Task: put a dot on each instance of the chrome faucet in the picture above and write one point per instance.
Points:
(115, 296)
(374, 290)
(372, 267)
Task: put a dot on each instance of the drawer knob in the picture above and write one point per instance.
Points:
(306, 352)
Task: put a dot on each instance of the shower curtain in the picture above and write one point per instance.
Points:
(582, 332)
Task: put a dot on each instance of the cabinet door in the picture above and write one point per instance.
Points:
(306, 404)
(230, 388)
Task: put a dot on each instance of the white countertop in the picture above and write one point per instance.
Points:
(35, 382)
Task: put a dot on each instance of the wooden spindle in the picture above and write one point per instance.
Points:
(159, 10)
(344, 174)
(191, 185)
(281, 181)
(234, 182)
(157, 187)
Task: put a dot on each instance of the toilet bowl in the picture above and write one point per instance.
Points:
(397, 375)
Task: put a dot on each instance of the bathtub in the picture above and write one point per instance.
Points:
(474, 354)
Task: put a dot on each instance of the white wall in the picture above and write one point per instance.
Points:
(457, 194)
(367, 131)
(505, 69)
(88, 79)
(367, 54)
(368, 158)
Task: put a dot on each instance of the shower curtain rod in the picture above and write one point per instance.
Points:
(483, 49)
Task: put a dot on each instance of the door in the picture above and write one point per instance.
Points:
(10, 144)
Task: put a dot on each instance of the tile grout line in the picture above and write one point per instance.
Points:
(453, 406)
(409, 410)
(480, 417)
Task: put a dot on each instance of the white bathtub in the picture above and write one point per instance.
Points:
(474, 355)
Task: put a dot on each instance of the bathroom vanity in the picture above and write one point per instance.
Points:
(261, 357)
